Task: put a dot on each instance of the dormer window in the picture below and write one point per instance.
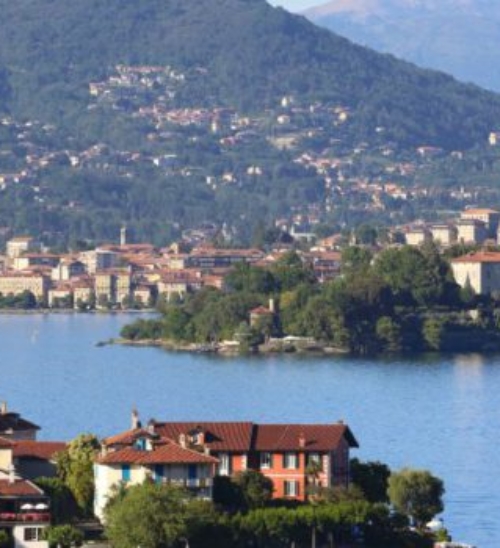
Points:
(141, 444)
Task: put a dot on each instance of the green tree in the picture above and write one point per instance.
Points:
(366, 234)
(290, 271)
(372, 478)
(257, 490)
(433, 331)
(75, 467)
(389, 333)
(355, 259)
(63, 506)
(63, 536)
(416, 493)
(154, 515)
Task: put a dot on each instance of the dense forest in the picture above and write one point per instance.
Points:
(253, 54)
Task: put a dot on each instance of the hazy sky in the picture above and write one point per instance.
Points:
(296, 5)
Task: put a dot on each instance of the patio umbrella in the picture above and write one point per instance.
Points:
(41, 506)
(27, 506)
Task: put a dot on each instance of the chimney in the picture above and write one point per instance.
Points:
(3, 408)
(135, 422)
(12, 473)
(123, 235)
(302, 440)
(151, 426)
(272, 306)
(182, 440)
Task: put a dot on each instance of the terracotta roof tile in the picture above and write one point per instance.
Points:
(6, 443)
(219, 436)
(129, 437)
(170, 453)
(287, 437)
(479, 257)
(43, 450)
(19, 488)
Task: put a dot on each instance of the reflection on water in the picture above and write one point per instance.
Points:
(430, 411)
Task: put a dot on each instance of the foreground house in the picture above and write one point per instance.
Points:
(132, 457)
(293, 456)
(24, 507)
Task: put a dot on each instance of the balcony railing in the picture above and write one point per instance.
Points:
(190, 483)
(40, 517)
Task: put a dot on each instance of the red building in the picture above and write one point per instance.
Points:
(291, 455)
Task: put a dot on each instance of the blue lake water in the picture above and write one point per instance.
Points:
(439, 413)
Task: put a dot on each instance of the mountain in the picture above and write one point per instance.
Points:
(456, 36)
(253, 54)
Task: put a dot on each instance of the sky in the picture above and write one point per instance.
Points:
(296, 5)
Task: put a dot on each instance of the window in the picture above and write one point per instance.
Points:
(159, 472)
(290, 461)
(33, 534)
(314, 458)
(291, 488)
(140, 444)
(266, 460)
(126, 472)
(224, 464)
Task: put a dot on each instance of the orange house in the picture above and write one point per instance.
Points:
(293, 456)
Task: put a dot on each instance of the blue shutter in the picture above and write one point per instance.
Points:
(126, 472)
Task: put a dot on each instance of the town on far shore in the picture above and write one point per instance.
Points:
(126, 275)
(66, 493)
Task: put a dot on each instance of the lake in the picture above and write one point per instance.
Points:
(441, 413)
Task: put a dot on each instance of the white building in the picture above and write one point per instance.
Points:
(136, 455)
(480, 270)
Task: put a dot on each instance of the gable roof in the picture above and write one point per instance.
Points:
(41, 450)
(170, 453)
(304, 437)
(14, 422)
(219, 436)
(19, 488)
(6, 443)
(130, 436)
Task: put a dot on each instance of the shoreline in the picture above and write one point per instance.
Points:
(49, 311)
(230, 350)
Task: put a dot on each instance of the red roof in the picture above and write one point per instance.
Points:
(219, 436)
(479, 257)
(19, 488)
(170, 453)
(43, 450)
(5, 443)
(261, 311)
(129, 437)
(308, 437)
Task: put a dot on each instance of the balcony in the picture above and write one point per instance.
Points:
(22, 517)
(194, 483)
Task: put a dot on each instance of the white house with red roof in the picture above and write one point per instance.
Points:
(479, 270)
(24, 510)
(190, 454)
(139, 454)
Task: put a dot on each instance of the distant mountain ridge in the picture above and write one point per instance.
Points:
(253, 54)
(456, 36)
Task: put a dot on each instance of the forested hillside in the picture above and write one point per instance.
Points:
(253, 53)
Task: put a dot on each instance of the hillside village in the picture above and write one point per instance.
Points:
(300, 155)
